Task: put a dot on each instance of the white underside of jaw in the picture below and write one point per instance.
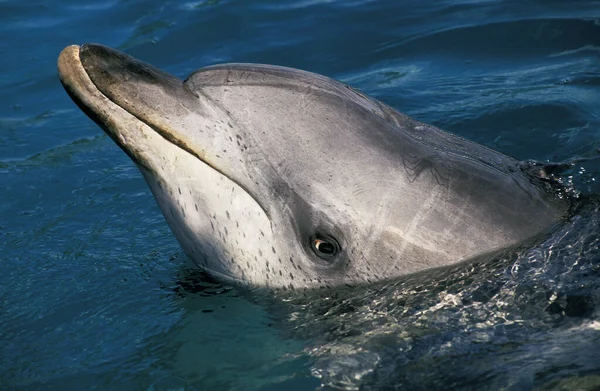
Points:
(218, 224)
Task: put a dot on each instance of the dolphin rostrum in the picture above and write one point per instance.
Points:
(275, 177)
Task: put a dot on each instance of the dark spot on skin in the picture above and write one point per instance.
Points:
(291, 276)
(280, 273)
(179, 190)
(279, 260)
(262, 233)
(260, 253)
(230, 138)
(228, 216)
(212, 225)
(196, 206)
(237, 224)
(273, 248)
(226, 232)
(231, 126)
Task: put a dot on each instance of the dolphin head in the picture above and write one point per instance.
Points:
(271, 176)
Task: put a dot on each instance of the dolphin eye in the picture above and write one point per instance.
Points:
(325, 247)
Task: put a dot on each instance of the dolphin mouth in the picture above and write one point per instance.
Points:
(111, 117)
(134, 102)
(130, 100)
(119, 92)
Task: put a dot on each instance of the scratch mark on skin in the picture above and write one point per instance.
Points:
(411, 229)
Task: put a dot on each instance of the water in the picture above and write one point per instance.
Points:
(96, 294)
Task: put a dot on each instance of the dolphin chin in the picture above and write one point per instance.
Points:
(276, 177)
(171, 168)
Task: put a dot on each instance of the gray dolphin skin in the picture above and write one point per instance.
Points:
(275, 177)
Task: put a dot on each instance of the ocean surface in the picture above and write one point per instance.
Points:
(95, 292)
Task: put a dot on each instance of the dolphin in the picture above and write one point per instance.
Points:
(280, 178)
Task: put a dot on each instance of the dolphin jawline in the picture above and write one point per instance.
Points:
(103, 110)
(92, 101)
(112, 117)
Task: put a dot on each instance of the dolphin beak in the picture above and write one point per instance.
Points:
(134, 85)
(139, 88)
(109, 116)
(76, 81)
(134, 102)
(118, 92)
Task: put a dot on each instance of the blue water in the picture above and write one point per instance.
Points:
(96, 294)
